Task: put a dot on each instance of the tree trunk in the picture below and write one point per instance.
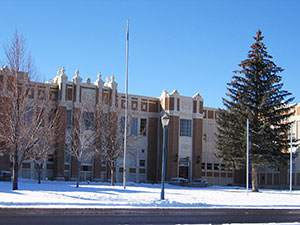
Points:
(15, 171)
(39, 171)
(112, 175)
(39, 176)
(78, 173)
(254, 179)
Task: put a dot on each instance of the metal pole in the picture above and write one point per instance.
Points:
(162, 194)
(126, 107)
(247, 169)
(291, 161)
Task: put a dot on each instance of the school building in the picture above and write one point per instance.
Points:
(190, 135)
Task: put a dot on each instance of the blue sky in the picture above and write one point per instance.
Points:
(191, 46)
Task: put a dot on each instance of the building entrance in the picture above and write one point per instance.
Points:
(86, 175)
(184, 172)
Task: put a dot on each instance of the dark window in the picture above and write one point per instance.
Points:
(209, 166)
(132, 170)
(203, 166)
(223, 167)
(69, 93)
(85, 168)
(185, 127)
(142, 163)
(143, 126)
(216, 166)
(50, 158)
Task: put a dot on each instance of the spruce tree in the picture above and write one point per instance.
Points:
(255, 93)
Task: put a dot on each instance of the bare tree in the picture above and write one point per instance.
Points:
(17, 56)
(45, 146)
(22, 126)
(109, 140)
(82, 136)
(39, 156)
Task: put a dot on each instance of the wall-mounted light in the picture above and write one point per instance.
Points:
(175, 158)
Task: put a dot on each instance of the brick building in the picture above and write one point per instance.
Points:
(190, 135)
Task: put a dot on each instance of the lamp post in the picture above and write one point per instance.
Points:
(291, 161)
(165, 122)
(247, 169)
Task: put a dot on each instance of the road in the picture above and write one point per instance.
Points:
(152, 216)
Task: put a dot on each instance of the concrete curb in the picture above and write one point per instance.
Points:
(142, 211)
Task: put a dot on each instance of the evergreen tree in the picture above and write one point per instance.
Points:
(255, 93)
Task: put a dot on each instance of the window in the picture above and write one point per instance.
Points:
(69, 118)
(69, 93)
(68, 149)
(87, 156)
(28, 115)
(203, 166)
(185, 127)
(143, 127)
(142, 163)
(88, 118)
(122, 124)
(132, 170)
(30, 93)
(85, 168)
(133, 129)
(216, 166)
(223, 167)
(50, 158)
(209, 166)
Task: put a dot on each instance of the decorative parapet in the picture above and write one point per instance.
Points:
(77, 79)
(174, 93)
(198, 97)
(170, 102)
(176, 104)
(61, 76)
(198, 106)
(99, 82)
(4, 69)
(113, 85)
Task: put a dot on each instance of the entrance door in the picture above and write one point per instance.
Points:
(184, 172)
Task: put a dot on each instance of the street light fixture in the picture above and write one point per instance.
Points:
(165, 121)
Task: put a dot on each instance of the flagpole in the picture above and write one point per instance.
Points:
(126, 107)
(247, 169)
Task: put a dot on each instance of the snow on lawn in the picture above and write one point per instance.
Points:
(55, 194)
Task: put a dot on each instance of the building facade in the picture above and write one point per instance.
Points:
(190, 135)
(279, 177)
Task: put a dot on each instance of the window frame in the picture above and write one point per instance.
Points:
(143, 127)
(185, 128)
(134, 126)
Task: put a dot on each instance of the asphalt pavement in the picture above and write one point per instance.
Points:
(9, 216)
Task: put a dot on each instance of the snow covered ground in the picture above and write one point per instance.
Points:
(53, 194)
